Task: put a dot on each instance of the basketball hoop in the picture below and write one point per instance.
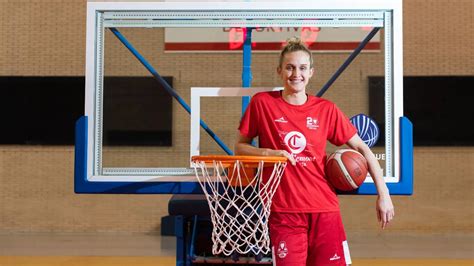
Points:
(239, 193)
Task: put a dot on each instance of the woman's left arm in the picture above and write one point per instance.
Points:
(384, 208)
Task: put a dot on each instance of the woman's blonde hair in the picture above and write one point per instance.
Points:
(295, 44)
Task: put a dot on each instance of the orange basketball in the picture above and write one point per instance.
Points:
(346, 169)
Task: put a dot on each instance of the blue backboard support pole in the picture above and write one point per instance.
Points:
(167, 87)
(247, 66)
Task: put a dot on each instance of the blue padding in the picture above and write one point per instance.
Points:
(405, 186)
(83, 185)
(138, 187)
(406, 156)
(80, 153)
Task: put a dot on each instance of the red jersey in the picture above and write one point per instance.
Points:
(303, 131)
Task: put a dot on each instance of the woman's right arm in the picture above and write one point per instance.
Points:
(243, 146)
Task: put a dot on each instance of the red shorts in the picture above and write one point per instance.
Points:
(311, 239)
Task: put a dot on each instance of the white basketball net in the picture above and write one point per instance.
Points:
(239, 212)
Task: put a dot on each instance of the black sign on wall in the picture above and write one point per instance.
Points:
(44, 110)
(440, 108)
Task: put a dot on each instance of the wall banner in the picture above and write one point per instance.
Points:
(267, 39)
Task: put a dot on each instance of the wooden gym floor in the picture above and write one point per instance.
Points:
(388, 249)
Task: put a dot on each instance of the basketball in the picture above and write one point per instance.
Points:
(346, 169)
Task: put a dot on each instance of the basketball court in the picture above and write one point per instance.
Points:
(150, 176)
(113, 249)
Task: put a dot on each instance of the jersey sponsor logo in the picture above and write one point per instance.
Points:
(282, 250)
(335, 257)
(312, 123)
(281, 120)
(295, 141)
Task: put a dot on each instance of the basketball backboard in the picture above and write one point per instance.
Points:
(155, 31)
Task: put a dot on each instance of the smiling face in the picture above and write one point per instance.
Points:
(295, 71)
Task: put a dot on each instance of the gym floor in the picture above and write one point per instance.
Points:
(104, 249)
